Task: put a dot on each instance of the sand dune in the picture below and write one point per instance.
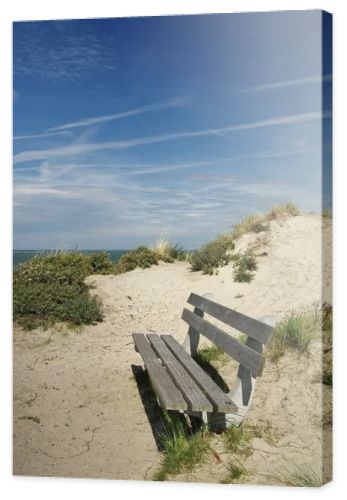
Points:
(77, 408)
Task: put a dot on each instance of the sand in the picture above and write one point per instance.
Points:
(77, 407)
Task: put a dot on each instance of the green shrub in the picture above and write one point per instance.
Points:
(296, 330)
(244, 265)
(64, 267)
(40, 304)
(212, 255)
(178, 253)
(50, 288)
(140, 257)
(101, 263)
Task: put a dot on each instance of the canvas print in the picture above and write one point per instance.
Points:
(172, 241)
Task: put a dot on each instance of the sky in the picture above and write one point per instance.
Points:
(127, 130)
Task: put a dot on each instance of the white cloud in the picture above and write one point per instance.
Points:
(287, 83)
(174, 102)
(40, 135)
(77, 149)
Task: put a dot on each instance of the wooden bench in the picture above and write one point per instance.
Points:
(179, 381)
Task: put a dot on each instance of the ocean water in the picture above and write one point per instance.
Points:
(23, 255)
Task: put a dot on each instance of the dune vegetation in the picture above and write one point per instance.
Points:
(51, 288)
(218, 252)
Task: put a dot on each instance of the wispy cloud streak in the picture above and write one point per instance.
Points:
(39, 136)
(77, 149)
(177, 101)
(286, 83)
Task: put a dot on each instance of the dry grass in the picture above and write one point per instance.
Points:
(163, 249)
(282, 211)
(254, 223)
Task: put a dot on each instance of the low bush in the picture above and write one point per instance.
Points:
(212, 255)
(60, 268)
(244, 265)
(51, 288)
(42, 304)
(142, 257)
(101, 263)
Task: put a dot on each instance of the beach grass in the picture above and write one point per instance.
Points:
(236, 472)
(304, 477)
(218, 252)
(281, 211)
(183, 451)
(296, 331)
(167, 251)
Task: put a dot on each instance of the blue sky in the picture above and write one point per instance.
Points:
(129, 129)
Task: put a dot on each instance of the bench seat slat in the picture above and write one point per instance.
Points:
(252, 327)
(169, 396)
(191, 392)
(219, 399)
(246, 356)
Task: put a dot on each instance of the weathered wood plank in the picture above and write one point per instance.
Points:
(219, 399)
(252, 327)
(169, 396)
(191, 392)
(246, 356)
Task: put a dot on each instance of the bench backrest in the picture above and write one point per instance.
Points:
(249, 355)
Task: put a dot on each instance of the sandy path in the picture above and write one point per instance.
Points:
(77, 409)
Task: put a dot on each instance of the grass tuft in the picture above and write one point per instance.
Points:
(182, 452)
(281, 211)
(300, 477)
(296, 331)
(167, 252)
(238, 439)
(236, 472)
(254, 223)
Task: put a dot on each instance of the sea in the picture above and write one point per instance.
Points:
(23, 255)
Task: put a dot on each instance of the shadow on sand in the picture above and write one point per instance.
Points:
(157, 417)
